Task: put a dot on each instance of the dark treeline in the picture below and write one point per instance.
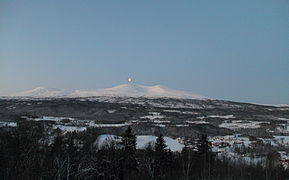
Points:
(34, 151)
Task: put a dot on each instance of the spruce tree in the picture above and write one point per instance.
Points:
(128, 142)
(162, 158)
(205, 158)
(128, 160)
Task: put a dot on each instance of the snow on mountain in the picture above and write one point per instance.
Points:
(135, 90)
(42, 92)
(275, 105)
(124, 90)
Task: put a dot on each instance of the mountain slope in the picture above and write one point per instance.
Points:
(42, 92)
(135, 90)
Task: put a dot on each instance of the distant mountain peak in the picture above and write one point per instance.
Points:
(137, 90)
(123, 90)
(42, 92)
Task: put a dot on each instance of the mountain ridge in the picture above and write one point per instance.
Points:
(122, 90)
(42, 92)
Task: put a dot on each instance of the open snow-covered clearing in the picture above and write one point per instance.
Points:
(160, 125)
(277, 140)
(240, 124)
(111, 111)
(222, 117)
(153, 116)
(142, 141)
(201, 117)
(109, 125)
(172, 144)
(172, 111)
(180, 112)
(197, 122)
(160, 122)
(282, 140)
(51, 118)
(69, 128)
(74, 122)
(182, 125)
(217, 116)
(283, 128)
(282, 119)
(8, 124)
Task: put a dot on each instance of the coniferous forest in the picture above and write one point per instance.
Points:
(31, 151)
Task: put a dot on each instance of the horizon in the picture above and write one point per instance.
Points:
(225, 50)
(70, 91)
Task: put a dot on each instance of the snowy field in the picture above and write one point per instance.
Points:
(242, 124)
(153, 116)
(142, 141)
(222, 117)
(8, 124)
(197, 122)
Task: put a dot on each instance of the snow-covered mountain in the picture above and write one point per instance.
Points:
(42, 92)
(135, 90)
(124, 90)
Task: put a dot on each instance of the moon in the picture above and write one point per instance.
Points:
(129, 79)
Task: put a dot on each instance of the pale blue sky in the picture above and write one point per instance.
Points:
(234, 50)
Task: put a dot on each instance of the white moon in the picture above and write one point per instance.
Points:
(129, 79)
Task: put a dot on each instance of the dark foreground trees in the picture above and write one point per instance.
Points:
(34, 151)
(128, 155)
(162, 159)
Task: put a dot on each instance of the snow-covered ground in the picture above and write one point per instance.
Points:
(69, 128)
(50, 118)
(283, 119)
(8, 124)
(153, 116)
(283, 128)
(111, 111)
(230, 139)
(197, 122)
(73, 124)
(160, 122)
(182, 125)
(273, 105)
(217, 116)
(109, 125)
(225, 146)
(282, 140)
(141, 140)
(222, 117)
(180, 112)
(242, 124)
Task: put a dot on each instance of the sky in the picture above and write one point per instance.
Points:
(225, 49)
